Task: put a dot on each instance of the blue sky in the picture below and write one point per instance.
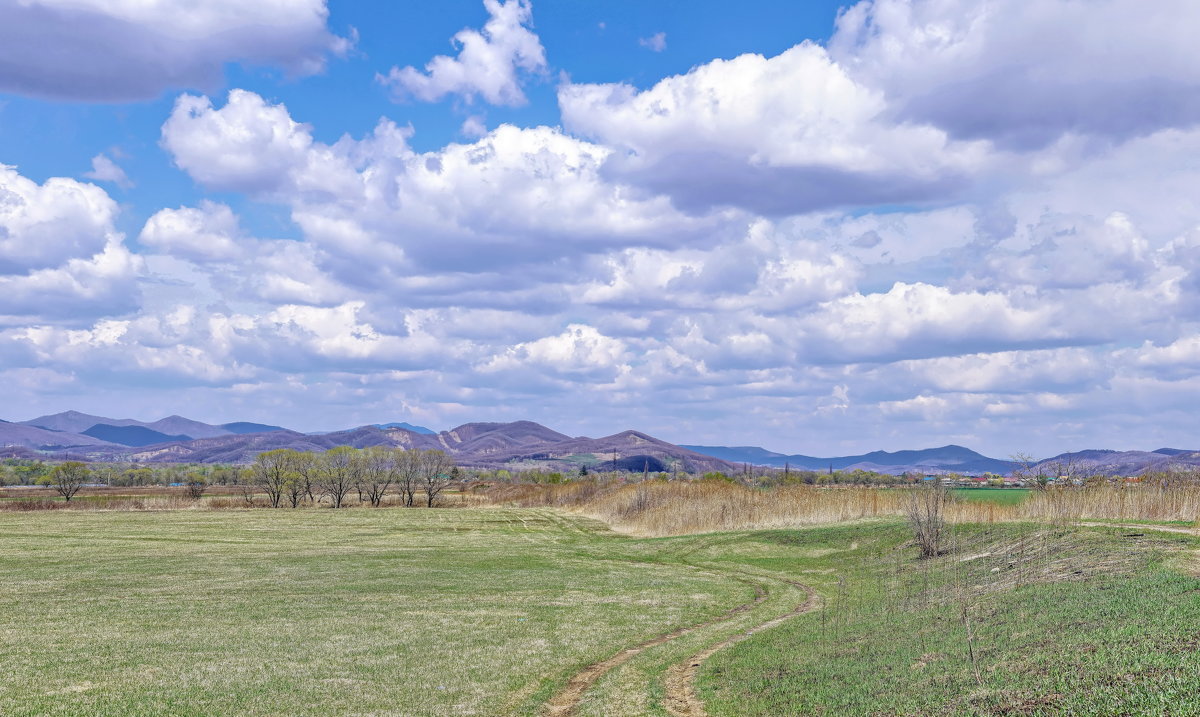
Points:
(589, 41)
(813, 228)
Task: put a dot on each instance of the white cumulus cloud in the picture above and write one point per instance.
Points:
(491, 63)
(209, 232)
(122, 50)
(1025, 72)
(779, 135)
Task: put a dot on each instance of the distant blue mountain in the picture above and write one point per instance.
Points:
(948, 458)
(135, 436)
(1171, 451)
(243, 427)
(407, 427)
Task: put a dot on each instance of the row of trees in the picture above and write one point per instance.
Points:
(293, 477)
(29, 472)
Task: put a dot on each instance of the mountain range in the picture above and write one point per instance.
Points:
(519, 444)
(945, 458)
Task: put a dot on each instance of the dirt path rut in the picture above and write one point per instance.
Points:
(566, 702)
(681, 699)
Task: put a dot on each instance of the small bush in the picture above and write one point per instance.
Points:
(924, 508)
(35, 504)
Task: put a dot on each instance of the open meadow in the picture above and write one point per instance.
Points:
(543, 611)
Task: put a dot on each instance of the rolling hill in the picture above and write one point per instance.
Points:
(242, 427)
(32, 437)
(131, 435)
(523, 444)
(408, 427)
(946, 458)
(178, 425)
(76, 422)
(518, 445)
(1108, 462)
(171, 426)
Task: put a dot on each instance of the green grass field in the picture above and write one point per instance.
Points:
(999, 496)
(492, 611)
(1079, 622)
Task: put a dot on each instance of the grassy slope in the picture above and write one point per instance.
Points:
(1070, 622)
(321, 612)
(489, 611)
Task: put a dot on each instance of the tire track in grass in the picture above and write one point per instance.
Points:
(681, 699)
(1143, 526)
(566, 702)
(1192, 569)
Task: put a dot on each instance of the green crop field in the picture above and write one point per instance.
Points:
(496, 611)
(1000, 496)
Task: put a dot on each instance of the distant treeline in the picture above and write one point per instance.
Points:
(28, 472)
(363, 465)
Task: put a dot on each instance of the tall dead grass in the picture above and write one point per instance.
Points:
(105, 503)
(661, 508)
(182, 501)
(1178, 502)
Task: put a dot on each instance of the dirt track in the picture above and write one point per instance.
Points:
(680, 693)
(567, 700)
(681, 699)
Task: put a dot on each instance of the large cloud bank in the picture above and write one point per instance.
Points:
(956, 221)
(117, 50)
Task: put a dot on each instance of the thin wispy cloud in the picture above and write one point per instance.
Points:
(106, 170)
(656, 42)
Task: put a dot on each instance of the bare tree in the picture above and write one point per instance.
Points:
(435, 474)
(272, 471)
(924, 509)
(1030, 470)
(299, 478)
(195, 488)
(377, 475)
(247, 481)
(67, 478)
(340, 469)
(308, 470)
(409, 468)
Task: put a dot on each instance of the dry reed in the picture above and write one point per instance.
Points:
(660, 508)
(1178, 502)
